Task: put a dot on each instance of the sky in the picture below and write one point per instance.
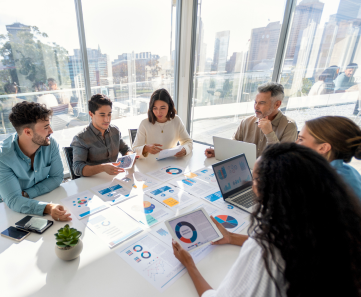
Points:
(121, 26)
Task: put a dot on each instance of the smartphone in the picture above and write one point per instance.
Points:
(15, 234)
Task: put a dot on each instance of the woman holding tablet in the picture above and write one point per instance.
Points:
(338, 139)
(162, 129)
(307, 232)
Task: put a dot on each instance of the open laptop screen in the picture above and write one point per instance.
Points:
(233, 175)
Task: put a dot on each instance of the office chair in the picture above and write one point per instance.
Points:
(68, 152)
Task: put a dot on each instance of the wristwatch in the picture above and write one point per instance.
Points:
(25, 194)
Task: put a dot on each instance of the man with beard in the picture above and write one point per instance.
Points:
(269, 125)
(30, 163)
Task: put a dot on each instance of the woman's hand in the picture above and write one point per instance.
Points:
(182, 153)
(226, 234)
(152, 148)
(182, 255)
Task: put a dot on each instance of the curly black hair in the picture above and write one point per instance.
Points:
(26, 114)
(308, 214)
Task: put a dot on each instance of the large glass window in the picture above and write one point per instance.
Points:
(131, 53)
(320, 71)
(36, 65)
(236, 45)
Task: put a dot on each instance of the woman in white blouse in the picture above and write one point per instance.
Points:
(163, 129)
(307, 232)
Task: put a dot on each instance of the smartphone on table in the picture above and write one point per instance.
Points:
(15, 234)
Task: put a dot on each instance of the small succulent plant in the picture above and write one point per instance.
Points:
(67, 237)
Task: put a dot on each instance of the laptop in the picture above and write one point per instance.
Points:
(234, 148)
(235, 182)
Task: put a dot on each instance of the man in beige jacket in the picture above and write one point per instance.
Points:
(269, 125)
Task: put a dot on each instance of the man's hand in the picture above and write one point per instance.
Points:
(226, 235)
(112, 169)
(182, 255)
(182, 153)
(209, 152)
(152, 148)
(265, 125)
(57, 212)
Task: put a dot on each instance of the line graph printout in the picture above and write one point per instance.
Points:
(146, 210)
(84, 204)
(113, 226)
(154, 260)
(172, 197)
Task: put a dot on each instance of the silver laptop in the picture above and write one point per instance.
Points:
(225, 148)
(235, 182)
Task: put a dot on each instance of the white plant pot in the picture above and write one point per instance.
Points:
(71, 253)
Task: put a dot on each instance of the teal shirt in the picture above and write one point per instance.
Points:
(350, 175)
(16, 175)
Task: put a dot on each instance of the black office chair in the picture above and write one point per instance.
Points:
(68, 152)
(132, 135)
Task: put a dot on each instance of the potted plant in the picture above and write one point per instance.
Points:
(68, 243)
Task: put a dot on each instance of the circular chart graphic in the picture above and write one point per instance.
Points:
(179, 235)
(137, 248)
(81, 202)
(227, 222)
(146, 255)
(106, 223)
(148, 207)
(173, 171)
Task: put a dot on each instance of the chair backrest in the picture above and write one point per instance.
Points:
(68, 152)
(60, 109)
(132, 135)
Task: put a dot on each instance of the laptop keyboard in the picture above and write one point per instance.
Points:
(246, 199)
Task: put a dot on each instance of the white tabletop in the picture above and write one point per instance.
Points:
(31, 268)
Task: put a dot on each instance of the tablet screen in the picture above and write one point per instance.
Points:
(126, 161)
(193, 230)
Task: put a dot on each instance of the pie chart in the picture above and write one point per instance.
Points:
(174, 171)
(148, 207)
(192, 229)
(227, 222)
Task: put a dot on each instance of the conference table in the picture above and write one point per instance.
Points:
(31, 267)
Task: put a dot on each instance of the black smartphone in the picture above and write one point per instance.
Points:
(15, 233)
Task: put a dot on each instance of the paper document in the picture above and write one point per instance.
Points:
(146, 210)
(143, 182)
(205, 174)
(171, 196)
(113, 226)
(154, 260)
(192, 185)
(169, 152)
(115, 191)
(231, 220)
(84, 204)
(166, 173)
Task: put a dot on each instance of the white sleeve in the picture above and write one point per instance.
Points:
(140, 141)
(184, 137)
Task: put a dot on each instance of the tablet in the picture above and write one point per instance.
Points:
(127, 161)
(193, 229)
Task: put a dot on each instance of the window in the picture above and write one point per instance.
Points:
(320, 71)
(236, 45)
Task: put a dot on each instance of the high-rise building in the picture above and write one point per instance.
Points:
(220, 54)
(306, 12)
(263, 47)
(347, 10)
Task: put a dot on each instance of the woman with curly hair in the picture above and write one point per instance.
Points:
(338, 139)
(306, 238)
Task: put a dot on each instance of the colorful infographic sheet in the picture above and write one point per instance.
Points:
(172, 196)
(191, 185)
(215, 197)
(113, 226)
(115, 191)
(146, 210)
(155, 261)
(143, 182)
(166, 173)
(232, 221)
(84, 204)
(205, 174)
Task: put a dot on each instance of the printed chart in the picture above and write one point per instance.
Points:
(205, 174)
(191, 185)
(161, 232)
(145, 210)
(84, 204)
(144, 182)
(166, 173)
(172, 196)
(113, 226)
(115, 191)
